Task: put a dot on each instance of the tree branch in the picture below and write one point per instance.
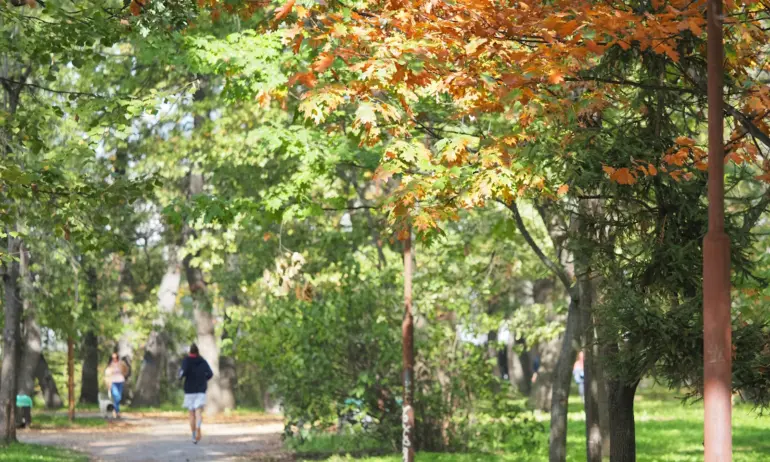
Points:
(550, 264)
(632, 83)
(754, 213)
(748, 124)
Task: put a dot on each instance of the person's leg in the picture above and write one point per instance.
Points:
(192, 425)
(198, 421)
(117, 394)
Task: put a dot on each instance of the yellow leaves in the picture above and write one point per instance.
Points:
(423, 222)
(366, 115)
(474, 45)
(284, 10)
(563, 189)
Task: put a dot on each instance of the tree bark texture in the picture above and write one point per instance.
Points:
(148, 383)
(32, 344)
(48, 385)
(591, 382)
(557, 451)
(89, 391)
(407, 334)
(71, 377)
(202, 307)
(622, 427)
(156, 356)
(520, 368)
(9, 373)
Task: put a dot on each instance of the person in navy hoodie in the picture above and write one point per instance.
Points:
(196, 373)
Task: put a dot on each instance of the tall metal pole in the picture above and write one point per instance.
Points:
(717, 327)
(407, 333)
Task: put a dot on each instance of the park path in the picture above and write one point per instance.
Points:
(158, 439)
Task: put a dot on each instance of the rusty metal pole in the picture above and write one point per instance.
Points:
(717, 326)
(407, 334)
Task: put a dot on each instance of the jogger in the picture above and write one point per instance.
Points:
(196, 373)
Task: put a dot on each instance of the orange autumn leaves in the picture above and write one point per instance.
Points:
(684, 158)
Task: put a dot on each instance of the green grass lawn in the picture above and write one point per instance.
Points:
(34, 453)
(54, 421)
(666, 430)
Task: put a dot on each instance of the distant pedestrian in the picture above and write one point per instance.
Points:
(578, 374)
(535, 368)
(115, 376)
(196, 373)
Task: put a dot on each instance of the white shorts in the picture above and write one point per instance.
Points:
(193, 401)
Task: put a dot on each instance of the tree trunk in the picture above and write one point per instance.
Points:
(604, 399)
(561, 385)
(519, 367)
(30, 357)
(148, 383)
(71, 377)
(591, 383)
(228, 379)
(407, 333)
(11, 344)
(548, 352)
(228, 373)
(202, 308)
(493, 356)
(48, 385)
(622, 427)
(147, 391)
(33, 346)
(89, 391)
(89, 386)
(207, 344)
(542, 391)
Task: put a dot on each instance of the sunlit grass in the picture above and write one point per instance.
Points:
(666, 430)
(57, 421)
(34, 453)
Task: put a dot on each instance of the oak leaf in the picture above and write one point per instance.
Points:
(284, 10)
(323, 62)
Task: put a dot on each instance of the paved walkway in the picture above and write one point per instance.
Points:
(143, 439)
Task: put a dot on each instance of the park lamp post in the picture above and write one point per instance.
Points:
(717, 326)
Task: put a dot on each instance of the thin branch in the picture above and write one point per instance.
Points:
(355, 207)
(631, 83)
(550, 264)
(753, 215)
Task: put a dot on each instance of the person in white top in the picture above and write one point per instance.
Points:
(115, 375)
